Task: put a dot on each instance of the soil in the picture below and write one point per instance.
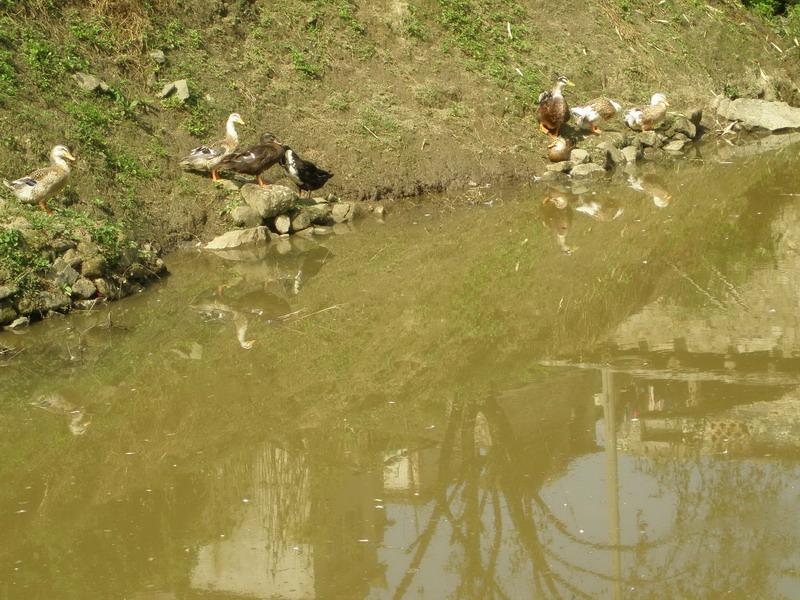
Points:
(396, 98)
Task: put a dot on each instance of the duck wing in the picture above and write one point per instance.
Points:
(604, 107)
(654, 114)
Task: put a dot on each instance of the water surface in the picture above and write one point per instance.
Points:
(484, 397)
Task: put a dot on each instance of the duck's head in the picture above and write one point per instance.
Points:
(268, 138)
(235, 118)
(659, 99)
(563, 81)
(60, 153)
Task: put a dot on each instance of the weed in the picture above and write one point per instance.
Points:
(339, 101)
(412, 26)
(48, 63)
(377, 121)
(96, 32)
(8, 77)
(304, 65)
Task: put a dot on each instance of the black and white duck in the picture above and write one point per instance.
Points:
(41, 185)
(255, 159)
(209, 156)
(306, 175)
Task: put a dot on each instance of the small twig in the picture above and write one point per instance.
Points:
(774, 45)
(372, 132)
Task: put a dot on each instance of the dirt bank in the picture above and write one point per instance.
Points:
(396, 98)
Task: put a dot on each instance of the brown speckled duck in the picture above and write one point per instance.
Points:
(560, 149)
(648, 117)
(594, 111)
(553, 110)
(43, 184)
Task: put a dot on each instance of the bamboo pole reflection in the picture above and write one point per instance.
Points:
(612, 477)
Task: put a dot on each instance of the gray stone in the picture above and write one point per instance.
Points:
(579, 156)
(72, 258)
(685, 126)
(301, 220)
(6, 291)
(631, 153)
(552, 176)
(759, 114)
(158, 57)
(283, 223)
(239, 237)
(64, 275)
(245, 216)
(227, 184)
(652, 153)
(93, 266)
(614, 155)
(128, 256)
(90, 83)
(83, 289)
(106, 289)
(322, 230)
(168, 89)
(379, 212)
(61, 246)
(649, 138)
(319, 214)
(341, 212)
(270, 201)
(675, 146)
(47, 301)
(182, 90)
(138, 272)
(587, 170)
(7, 314)
(564, 166)
(19, 323)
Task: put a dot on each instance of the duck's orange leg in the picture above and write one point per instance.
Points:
(44, 207)
(595, 128)
(544, 129)
(261, 182)
(214, 175)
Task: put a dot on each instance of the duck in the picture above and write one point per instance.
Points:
(557, 215)
(255, 159)
(208, 157)
(43, 184)
(305, 174)
(648, 117)
(593, 111)
(560, 149)
(553, 110)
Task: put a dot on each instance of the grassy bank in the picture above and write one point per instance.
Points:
(394, 97)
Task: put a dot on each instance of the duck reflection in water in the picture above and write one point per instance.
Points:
(58, 405)
(648, 185)
(557, 215)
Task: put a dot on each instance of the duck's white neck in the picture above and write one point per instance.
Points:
(59, 161)
(230, 131)
(557, 89)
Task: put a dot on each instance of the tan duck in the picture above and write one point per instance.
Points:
(594, 111)
(648, 117)
(209, 156)
(553, 110)
(560, 149)
(43, 184)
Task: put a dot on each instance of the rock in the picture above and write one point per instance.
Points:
(127, 257)
(630, 153)
(47, 301)
(301, 220)
(379, 212)
(565, 166)
(239, 237)
(759, 114)
(283, 247)
(138, 272)
(675, 146)
(318, 214)
(587, 170)
(683, 125)
(579, 156)
(6, 291)
(62, 274)
(83, 289)
(651, 153)
(106, 289)
(552, 176)
(168, 89)
(613, 155)
(72, 258)
(93, 266)
(61, 246)
(7, 314)
(227, 184)
(270, 201)
(283, 223)
(649, 138)
(19, 323)
(322, 230)
(342, 212)
(158, 57)
(90, 83)
(182, 90)
(245, 216)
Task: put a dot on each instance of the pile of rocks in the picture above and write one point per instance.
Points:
(277, 210)
(80, 274)
(598, 154)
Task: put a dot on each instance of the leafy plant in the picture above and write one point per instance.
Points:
(304, 65)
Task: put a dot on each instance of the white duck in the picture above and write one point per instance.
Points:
(43, 184)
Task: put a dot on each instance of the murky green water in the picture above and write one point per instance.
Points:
(481, 398)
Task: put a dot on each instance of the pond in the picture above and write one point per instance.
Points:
(553, 391)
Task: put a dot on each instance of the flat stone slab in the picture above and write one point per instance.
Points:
(760, 114)
(239, 237)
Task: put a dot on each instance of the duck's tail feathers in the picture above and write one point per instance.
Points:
(7, 184)
(633, 117)
(617, 106)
